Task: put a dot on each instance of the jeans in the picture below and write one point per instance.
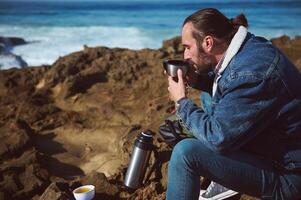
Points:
(238, 171)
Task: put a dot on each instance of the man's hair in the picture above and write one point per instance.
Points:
(212, 22)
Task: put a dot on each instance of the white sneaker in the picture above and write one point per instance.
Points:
(216, 191)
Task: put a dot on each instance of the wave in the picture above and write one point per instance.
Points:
(47, 44)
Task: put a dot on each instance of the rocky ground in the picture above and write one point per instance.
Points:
(74, 122)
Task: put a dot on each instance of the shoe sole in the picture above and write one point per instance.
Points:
(224, 195)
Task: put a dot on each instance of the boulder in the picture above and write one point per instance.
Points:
(12, 41)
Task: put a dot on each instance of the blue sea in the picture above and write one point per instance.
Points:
(57, 28)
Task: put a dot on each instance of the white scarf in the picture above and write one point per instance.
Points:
(232, 50)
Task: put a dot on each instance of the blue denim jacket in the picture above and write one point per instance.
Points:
(256, 108)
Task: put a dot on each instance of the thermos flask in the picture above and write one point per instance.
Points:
(139, 160)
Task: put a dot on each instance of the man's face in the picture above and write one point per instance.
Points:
(193, 52)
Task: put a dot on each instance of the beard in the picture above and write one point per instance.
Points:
(204, 62)
(198, 72)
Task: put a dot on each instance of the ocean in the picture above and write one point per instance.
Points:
(57, 28)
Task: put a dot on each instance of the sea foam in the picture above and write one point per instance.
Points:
(47, 44)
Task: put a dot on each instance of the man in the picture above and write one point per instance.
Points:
(250, 138)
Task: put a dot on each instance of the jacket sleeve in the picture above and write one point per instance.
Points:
(247, 107)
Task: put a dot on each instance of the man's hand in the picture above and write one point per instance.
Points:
(177, 90)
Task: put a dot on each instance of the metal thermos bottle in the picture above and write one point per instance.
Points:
(140, 157)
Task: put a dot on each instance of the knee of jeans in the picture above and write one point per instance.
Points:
(181, 152)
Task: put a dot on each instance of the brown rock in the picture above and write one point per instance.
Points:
(80, 117)
(173, 46)
(290, 47)
(103, 188)
(14, 141)
(57, 191)
(13, 41)
(23, 177)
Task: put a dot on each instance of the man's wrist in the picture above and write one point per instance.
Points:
(178, 102)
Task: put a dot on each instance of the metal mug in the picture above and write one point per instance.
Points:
(171, 67)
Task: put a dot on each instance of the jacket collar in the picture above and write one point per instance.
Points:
(232, 50)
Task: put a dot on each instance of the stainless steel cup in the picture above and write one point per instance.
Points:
(171, 66)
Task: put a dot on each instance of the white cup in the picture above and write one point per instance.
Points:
(85, 192)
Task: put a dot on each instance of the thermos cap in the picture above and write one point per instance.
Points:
(145, 140)
(146, 136)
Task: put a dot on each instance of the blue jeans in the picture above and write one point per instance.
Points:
(239, 171)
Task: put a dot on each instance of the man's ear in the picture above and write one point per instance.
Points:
(208, 44)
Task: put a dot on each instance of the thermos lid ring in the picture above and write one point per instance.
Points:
(147, 135)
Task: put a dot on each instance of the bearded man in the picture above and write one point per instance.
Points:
(249, 138)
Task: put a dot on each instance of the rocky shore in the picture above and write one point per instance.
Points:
(74, 122)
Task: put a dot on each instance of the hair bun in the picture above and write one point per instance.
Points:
(239, 20)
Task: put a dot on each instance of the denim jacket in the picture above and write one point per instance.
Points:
(256, 107)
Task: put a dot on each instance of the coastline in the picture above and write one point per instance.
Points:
(56, 29)
(290, 45)
(75, 122)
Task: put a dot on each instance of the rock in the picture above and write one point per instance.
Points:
(61, 189)
(23, 177)
(103, 188)
(75, 122)
(10, 60)
(281, 41)
(290, 47)
(14, 140)
(173, 46)
(57, 191)
(150, 192)
(7, 58)
(12, 41)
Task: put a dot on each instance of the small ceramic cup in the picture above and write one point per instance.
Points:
(85, 192)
